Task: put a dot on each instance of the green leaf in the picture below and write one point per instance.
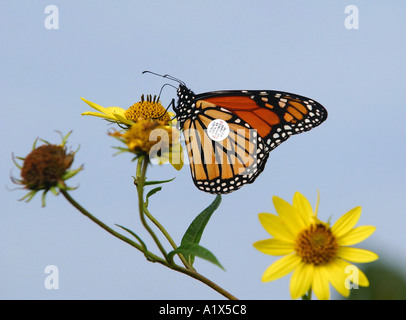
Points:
(196, 228)
(194, 249)
(15, 162)
(147, 183)
(43, 202)
(142, 243)
(150, 193)
(34, 145)
(194, 233)
(29, 196)
(120, 150)
(71, 173)
(153, 191)
(54, 191)
(64, 138)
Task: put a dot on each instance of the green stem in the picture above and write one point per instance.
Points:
(140, 177)
(168, 237)
(308, 295)
(154, 258)
(194, 274)
(189, 270)
(108, 229)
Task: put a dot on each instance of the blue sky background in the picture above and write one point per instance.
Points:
(356, 158)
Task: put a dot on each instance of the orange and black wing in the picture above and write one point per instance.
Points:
(222, 166)
(275, 115)
(258, 121)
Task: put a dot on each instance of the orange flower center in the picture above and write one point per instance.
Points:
(150, 109)
(317, 245)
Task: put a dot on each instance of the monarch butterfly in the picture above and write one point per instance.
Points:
(229, 134)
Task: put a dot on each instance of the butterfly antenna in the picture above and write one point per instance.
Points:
(156, 99)
(166, 84)
(167, 76)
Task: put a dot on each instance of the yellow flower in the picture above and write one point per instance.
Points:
(150, 131)
(316, 253)
(155, 140)
(142, 110)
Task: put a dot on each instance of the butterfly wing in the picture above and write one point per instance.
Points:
(258, 122)
(222, 166)
(275, 115)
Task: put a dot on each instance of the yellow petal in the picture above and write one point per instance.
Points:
(115, 111)
(362, 279)
(337, 277)
(281, 268)
(96, 114)
(356, 254)
(346, 222)
(94, 105)
(176, 156)
(177, 166)
(301, 280)
(320, 285)
(275, 227)
(173, 119)
(120, 117)
(303, 207)
(274, 247)
(288, 214)
(111, 113)
(356, 235)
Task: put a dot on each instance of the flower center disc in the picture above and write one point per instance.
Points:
(147, 109)
(316, 245)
